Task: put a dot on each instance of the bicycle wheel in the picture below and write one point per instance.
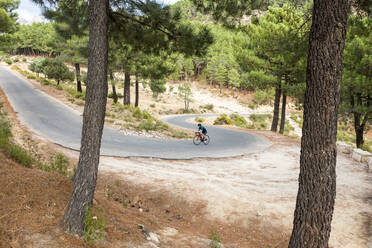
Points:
(196, 140)
(206, 140)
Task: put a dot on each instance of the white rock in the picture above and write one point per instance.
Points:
(153, 237)
(369, 162)
(360, 155)
(344, 148)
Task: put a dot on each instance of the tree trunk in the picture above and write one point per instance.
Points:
(282, 119)
(317, 179)
(137, 93)
(126, 94)
(278, 91)
(114, 95)
(93, 120)
(78, 78)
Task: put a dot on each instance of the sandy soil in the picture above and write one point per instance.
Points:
(260, 186)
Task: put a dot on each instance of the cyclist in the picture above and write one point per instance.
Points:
(203, 131)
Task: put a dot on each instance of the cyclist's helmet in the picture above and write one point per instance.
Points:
(199, 125)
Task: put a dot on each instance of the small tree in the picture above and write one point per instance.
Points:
(184, 91)
(37, 66)
(157, 87)
(234, 78)
(221, 76)
(56, 69)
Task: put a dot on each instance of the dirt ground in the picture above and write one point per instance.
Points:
(261, 187)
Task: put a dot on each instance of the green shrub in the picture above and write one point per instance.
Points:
(366, 147)
(238, 120)
(147, 125)
(159, 125)
(94, 226)
(152, 105)
(16, 60)
(137, 113)
(59, 165)
(45, 82)
(19, 154)
(207, 106)
(24, 60)
(111, 95)
(252, 105)
(259, 117)
(223, 119)
(30, 76)
(146, 115)
(199, 119)
(8, 60)
(215, 239)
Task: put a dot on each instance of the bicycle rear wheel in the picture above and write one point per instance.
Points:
(196, 140)
(206, 140)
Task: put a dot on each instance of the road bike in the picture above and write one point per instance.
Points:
(198, 139)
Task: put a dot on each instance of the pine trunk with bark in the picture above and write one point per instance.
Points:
(85, 178)
(114, 94)
(359, 124)
(278, 91)
(317, 179)
(126, 93)
(137, 92)
(78, 78)
(282, 119)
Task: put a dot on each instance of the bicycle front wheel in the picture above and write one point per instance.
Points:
(196, 140)
(206, 140)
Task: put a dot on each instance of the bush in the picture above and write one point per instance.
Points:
(24, 60)
(30, 76)
(259, 117)
(159, 125)
(45, 82)
(111, 95)
(207, 106)
(223, 119)
(37, 65)
(94, 226)
(16, 60)
(147, 125)
(137, 113)
(8, 61)
(199, 119)
(146, 115)
(152, 105)
(238, 120)
(19, 154)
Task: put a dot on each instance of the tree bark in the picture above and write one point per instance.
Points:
(78, 78)
(137, 92)
(282, 119)
(278, 91)
(114, 95)
(317, 179)
(93, 120)
(126, 94)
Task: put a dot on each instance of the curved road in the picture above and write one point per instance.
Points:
(62, 125)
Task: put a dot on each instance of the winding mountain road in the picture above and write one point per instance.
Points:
(62, 125)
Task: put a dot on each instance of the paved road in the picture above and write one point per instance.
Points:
(62, 125)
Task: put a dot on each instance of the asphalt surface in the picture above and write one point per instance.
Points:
(62, 125)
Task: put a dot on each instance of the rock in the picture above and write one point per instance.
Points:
(169, 231)
(344, 148)
(112, 219)
(153, 237)
(258, 214)
(360, 155)
(369, 162)
(179, 217)
(214, 243)
(140, 209)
